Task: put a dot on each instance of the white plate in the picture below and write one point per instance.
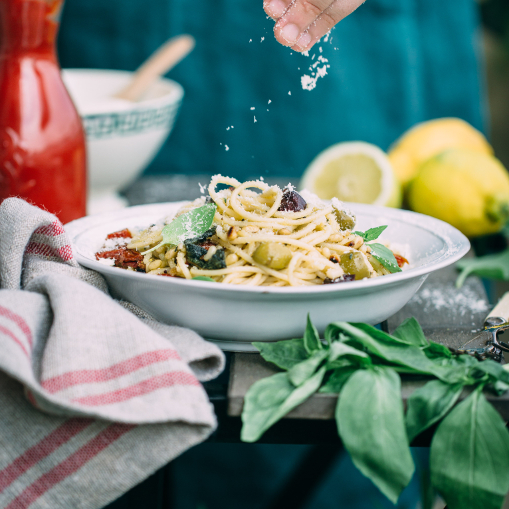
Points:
(237, 315)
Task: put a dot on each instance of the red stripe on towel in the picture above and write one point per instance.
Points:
(64, 253)
(52, 230)
(9, 333)
(19, 321)
(70, 465)
(145, 387)
(87, 376)
(41, 450)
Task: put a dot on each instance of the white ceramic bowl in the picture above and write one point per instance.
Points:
(236, 315)
(122, 137)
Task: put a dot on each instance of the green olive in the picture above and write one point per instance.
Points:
(354, 263)
(345, 220)
(273, 255)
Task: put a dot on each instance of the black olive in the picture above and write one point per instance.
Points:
(292, 201)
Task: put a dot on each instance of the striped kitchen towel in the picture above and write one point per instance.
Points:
(94, 395)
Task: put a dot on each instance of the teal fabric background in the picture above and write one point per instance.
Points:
(393, 63)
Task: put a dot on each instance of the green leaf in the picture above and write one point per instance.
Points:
(437, 351)
(404, 357)
(372, 233)
(270, 399)
(191, 224)
(383, 336)
(337, 379)
(338, 349)
(385, 256)
(284, 354)
(429, 404)
(411, 332)
(469, 456)
(494, 266)
(299, 373)
(203, 278)
(371, 425)
(262, 401)
(311, 338)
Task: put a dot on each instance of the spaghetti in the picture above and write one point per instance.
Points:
(261, 235)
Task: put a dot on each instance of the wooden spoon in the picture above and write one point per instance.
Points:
(158, 64)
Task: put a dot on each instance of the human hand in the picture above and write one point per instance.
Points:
(300, 23)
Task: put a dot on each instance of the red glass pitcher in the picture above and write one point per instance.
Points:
(42, 144)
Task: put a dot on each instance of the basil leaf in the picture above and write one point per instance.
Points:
(494, 266)
(305, 369)
(269, 400)
(311, 338)
(203, 278)
(469, 456)
(284, 354)
(372, 233)
(407, 358)
(429, 404)
(371, 425)
(385, 256)
(191, 224)
(406, 355)
(338, 349)
(337, 379)
(383, 336)
(437, 351)
(411, 332)
(261, 403)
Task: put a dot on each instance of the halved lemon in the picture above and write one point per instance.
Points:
(353, 171)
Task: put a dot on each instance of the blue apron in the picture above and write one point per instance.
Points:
(393, 63)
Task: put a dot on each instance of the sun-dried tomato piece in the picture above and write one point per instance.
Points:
(401, 260)
(124, 258)
(121, 234)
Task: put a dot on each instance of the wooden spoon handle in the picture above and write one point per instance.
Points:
(158, 64)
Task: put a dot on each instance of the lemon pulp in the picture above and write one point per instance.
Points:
(352, 177)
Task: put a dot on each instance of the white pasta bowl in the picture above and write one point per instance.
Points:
(235, 315)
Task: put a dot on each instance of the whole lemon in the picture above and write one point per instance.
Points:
(468, 189)
(429, 139)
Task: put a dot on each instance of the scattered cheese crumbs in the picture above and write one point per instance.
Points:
(269, 101)
(252, 108)
(289, 93)
(263, 38)
(227, 128)
(255, 119)
(202, 188)
(114, 243)
(250, 40)
(226, 147)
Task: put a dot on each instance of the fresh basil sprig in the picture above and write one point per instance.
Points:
(191, 224)
(470, 450)
(381, 253)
